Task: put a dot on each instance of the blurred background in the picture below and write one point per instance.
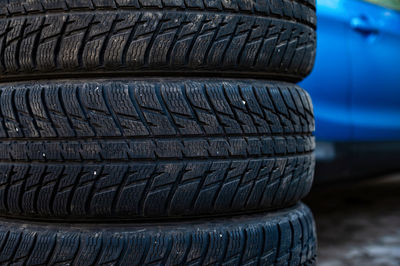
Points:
(355, 87)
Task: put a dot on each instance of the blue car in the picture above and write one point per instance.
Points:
(355, 87)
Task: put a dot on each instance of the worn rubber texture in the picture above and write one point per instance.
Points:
(62, 38)
(286, 237)
(108, 149)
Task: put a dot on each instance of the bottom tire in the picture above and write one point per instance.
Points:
(285, 237)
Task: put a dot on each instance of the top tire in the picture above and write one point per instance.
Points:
(62, 38)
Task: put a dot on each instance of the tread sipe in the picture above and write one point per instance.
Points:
(62, 38)
(122, 149)
(286, 237)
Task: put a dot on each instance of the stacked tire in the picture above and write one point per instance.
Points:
(156, 132)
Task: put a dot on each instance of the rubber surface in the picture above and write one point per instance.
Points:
(154, 148)
(286, 237)
(64, 38)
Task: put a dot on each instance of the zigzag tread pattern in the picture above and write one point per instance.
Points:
(300, 10)
(164, 41)
(129, 190)
(154, 109)
(147, 149)
(283, 238)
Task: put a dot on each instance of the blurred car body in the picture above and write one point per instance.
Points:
(355, 87)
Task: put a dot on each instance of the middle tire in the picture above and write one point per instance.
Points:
(123, 149)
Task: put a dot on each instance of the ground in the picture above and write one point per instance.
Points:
(358, 223)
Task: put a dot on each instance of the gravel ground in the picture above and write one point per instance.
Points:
(358, 223)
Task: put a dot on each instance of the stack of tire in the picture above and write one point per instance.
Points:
(156, 132)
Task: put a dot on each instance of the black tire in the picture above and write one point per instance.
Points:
(286, 237)
(156, 148)
(270, 39)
